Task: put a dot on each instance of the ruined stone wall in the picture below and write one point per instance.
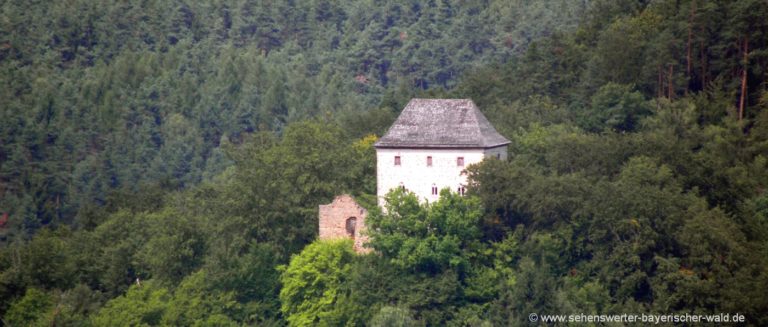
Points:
(334, 217)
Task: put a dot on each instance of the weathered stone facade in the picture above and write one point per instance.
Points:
(344, 218)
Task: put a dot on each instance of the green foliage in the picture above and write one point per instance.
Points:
(28, 309)
(48, 261)
(191, 303)
(392, 316)
(311, 284)
(252, 277)
(75, 306)
(99, 98)
(625, 223)
(160, 163)
(194, 303)
(278, 184)
(143, 304)
(428, 238)
(617, 107)
(175, 246)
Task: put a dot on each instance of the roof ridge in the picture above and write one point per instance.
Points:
(442, 123)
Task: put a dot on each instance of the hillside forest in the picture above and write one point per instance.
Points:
(162, 162)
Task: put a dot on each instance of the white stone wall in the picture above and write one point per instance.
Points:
(417, 177)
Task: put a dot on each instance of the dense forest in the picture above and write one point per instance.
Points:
(162, 162)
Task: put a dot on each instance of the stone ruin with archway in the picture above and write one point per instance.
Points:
(344, 218)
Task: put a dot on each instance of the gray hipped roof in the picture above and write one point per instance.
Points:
(441, 123)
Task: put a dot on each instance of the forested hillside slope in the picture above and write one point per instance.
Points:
(103, 97)
(165, 169)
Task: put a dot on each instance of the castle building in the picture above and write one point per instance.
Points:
(427, 149)
(430, 145)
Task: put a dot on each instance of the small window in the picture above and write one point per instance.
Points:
(397, 160)
(434, 189)
(350, 226)
(498, 156)
(402, 186)
(461, 190)
(460, 161)
(429, 161)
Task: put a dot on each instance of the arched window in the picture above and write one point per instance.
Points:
(350, 226)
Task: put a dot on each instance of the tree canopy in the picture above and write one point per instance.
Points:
(162, 163)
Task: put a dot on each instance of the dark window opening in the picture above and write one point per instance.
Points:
(434, 189)
(429, 161)
(350, 226)
(498, 156)
(460, 161)
(397, 160)
(460, 190)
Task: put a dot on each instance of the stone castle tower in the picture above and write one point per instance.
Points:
(431, 143)
(426, 149)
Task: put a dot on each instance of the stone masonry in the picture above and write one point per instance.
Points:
(344, 218)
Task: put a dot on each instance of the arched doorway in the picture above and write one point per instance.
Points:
(350, 226)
